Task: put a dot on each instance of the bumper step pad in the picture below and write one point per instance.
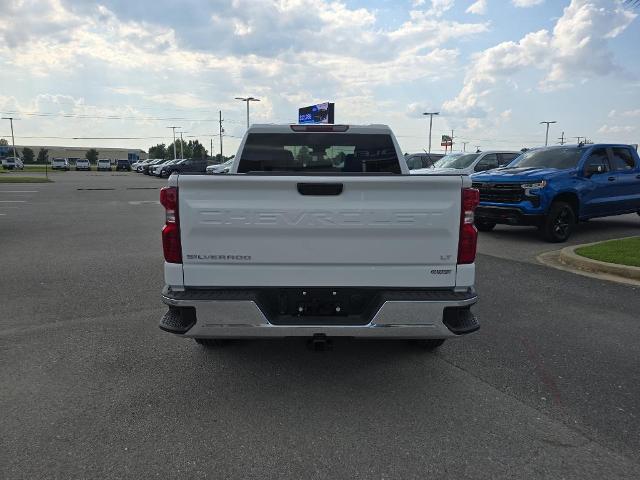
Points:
(460, 320)
(178, 320)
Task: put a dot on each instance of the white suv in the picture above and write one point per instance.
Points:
(60, 164)
(11, 163)
(104, 164)
(83, 164)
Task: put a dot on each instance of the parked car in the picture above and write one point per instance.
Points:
(468, 163)
(299, 252)
(139, 163)
(422, 160)
(83, 164)
(11, 163)
(123, 165)
(555, 187)
(104, 164)
(220, 167)
(188, 165)
(155, 170)
(147, 168)
(60, 164)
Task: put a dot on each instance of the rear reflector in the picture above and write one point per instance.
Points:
(319, 128)
(468, 233)
(171, 232)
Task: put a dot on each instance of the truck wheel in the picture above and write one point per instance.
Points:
(430, 343)
(485, 226)
(211, 342)
(558, 223)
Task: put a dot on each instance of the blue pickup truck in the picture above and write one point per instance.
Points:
(555, 187)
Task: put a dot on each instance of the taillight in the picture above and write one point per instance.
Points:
(468, 232)
(171, 232)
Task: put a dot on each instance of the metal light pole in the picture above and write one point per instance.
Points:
(247, 99)
(546, 138)
(431, 114)
(175, 155)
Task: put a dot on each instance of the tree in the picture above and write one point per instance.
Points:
(198, 150)
(43, 156)
(159, 151)
(92, 155)
(4, 142)
(27, 155)
(304, 156)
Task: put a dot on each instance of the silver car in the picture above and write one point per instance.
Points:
(468, 163)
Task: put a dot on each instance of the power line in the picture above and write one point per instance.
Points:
(114, 117)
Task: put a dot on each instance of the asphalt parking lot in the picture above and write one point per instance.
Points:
(91, 388)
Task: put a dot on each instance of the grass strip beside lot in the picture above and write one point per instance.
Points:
(16, 179)
(39, 168)
(622, 252)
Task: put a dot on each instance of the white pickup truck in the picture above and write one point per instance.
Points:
(319, 231)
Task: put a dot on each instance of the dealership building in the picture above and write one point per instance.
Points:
(73, 153)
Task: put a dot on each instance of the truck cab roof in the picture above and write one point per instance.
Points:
(328, 128)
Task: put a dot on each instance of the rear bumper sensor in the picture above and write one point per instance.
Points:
(275, 312)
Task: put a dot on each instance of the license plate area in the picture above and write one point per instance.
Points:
(318, 306)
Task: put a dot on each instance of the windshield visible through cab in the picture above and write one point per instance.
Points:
(456, 161)
(560, 158)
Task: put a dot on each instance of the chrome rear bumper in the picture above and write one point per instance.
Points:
(237, 314)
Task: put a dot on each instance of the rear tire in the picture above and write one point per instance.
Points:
(211, 342)
(429, 344)
(559, 222)
(484, 226)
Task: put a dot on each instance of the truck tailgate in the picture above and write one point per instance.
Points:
(378, 231)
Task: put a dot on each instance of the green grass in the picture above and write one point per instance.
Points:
(39, 168)
(622, 252)
(16, 179)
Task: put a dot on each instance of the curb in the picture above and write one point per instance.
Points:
(572, 259)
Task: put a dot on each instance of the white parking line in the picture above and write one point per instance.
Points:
(141, 202)
(12, 201)
(18, 191)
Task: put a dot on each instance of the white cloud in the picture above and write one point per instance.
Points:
(440, 7)
(626, 113)
(616, 129)
(526, 3)
(478, 8)
(577, 48)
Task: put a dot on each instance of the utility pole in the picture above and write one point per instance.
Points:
(181, 145)
(578, 139)
(13, 140)
(561, 138)
(175, 155)
(464, 146)
(546, 138)
(452, 140)
(431, 114)
(247, 100)
(211, 151)
(221, 132)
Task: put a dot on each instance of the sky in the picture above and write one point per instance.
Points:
(118, 73)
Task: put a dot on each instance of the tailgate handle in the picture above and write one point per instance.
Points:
(320, 188)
